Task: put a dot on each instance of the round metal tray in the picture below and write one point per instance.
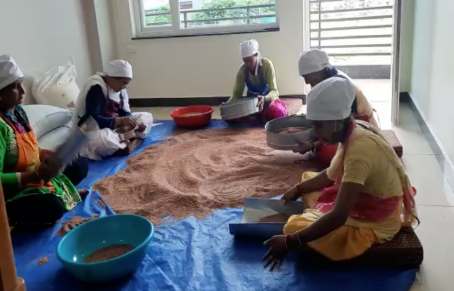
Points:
(239, 108)
(287, 141)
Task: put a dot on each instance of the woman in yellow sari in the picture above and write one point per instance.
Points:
(362, 199)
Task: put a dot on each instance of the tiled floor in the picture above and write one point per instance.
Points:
(379, 94)
(435, 201)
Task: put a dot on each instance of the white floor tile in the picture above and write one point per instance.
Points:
(437, 238)
(413, 142)
(428, 179)
(410, 134)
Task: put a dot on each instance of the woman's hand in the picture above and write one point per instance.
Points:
(261, 102)
(118, 122)
(276, 253)
(125, 121)
(291, 195)
(303, 148)
(48, 169)
(50, 165)
(306, 147)
(43, 154)
(141, 127)
(30, 177)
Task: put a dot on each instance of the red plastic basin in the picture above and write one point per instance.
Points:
(192, 116)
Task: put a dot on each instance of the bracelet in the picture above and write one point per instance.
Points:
(36, 171)
(296, 233)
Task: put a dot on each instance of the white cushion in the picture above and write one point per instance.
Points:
(44, 118)
(52, 140)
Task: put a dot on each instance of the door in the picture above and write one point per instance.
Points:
(358, 35)
(395, 70)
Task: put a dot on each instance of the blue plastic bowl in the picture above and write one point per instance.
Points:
(104, 232)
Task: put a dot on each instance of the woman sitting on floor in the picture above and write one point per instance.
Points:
(105, 98)
(36, 194)
(258, 75)
(314, 67)
(362, 199)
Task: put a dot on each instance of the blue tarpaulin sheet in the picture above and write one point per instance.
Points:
(191, 254)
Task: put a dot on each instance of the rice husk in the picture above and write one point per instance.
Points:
(73, 223)
(108, 253)
(197, 172)
(43, 260)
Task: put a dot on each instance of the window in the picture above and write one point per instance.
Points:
(156, 18)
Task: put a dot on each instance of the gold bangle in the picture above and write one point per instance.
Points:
(285, 241)
(296, 233)
(36, 170)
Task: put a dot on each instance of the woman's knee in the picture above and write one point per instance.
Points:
(40, 210)
(295, 225)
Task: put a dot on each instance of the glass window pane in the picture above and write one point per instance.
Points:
(205, 13)
(157, 13)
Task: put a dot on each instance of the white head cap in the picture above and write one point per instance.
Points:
(331, 99)
(119, 69)
(249, 48)
(313, 61)
(9, 71)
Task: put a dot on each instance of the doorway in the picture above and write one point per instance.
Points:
(358, 35)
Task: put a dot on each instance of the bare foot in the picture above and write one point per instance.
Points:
(275, 218)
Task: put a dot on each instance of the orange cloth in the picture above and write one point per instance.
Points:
(27, 153)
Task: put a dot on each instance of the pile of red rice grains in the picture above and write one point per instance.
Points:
(195, 173)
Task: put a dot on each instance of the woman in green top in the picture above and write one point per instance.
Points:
(36, 193)
(258, 75)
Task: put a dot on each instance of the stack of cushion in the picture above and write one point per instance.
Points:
(51, 124)
(404, 251)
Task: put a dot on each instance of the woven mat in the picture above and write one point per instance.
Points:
(404, 251)
(394, 141)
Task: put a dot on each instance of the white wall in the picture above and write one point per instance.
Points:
(432, 74)
(206, 66)
(105, 30)
(406, 44)
(45, 33)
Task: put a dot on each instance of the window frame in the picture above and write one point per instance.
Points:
(174, 29)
